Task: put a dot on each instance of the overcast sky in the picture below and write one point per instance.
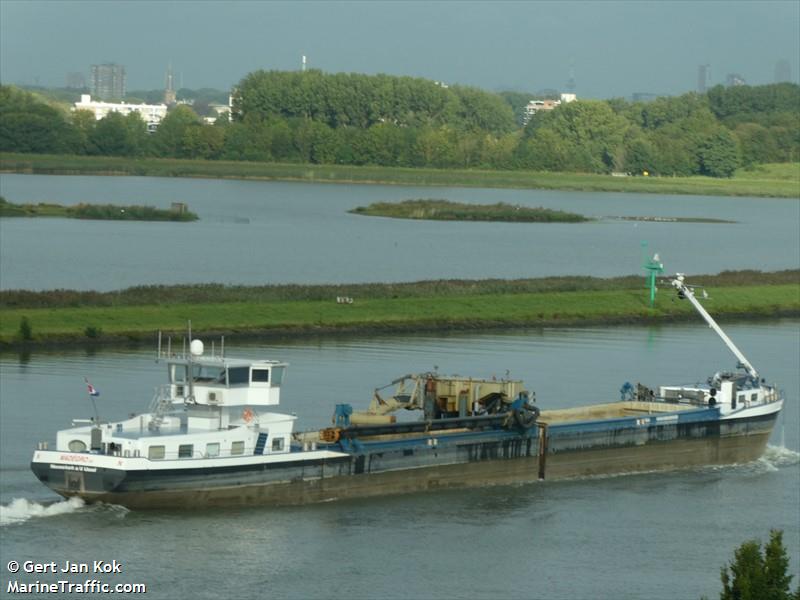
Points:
(617, 48)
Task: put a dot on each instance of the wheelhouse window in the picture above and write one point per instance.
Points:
(177, 374)
(237, 448)
(277, 444)
(260, 375)
(208, 374)
(155, 452)
(212, 450)
(185, 451)
(277, 375)
(238, 375)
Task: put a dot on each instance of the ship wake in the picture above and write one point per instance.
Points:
(776, 457)
(20, 510)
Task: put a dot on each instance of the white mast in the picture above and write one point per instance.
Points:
(682, 288)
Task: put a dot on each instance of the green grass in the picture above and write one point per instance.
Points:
(444, 210)
(100, 212)
(216, 293)
(771, 172)
(430, 313)
(769, 181)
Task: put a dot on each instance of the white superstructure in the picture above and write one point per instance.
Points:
(212, 406)
(152, 114)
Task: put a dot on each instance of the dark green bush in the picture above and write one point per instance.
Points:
(25, 329)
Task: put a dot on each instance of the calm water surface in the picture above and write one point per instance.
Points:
(638, 536)
(254, 232)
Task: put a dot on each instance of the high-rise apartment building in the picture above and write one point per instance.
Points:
(783, 71)
(108, 81)
(703, 78)
(76, 80)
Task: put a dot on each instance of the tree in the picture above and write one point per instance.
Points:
(168, 138)
(639, 156)
(591, 132)
(115, 135)
(719, 154)
(203, 141)
(753, 575)
(29, 125)
(110, 135)
(84, 123)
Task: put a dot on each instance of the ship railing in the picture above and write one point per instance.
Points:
(684, 400)
(772, 394)
(160, 405)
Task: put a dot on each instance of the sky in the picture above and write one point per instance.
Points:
(614, 48)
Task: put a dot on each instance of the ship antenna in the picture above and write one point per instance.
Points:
(190, 367)
(687, 292)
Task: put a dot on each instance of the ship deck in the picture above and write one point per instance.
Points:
(611, 410)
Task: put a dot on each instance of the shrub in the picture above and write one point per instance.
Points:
(757, 575)
(93, 332)
(25, 329)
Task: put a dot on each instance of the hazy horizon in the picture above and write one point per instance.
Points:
(613, 48)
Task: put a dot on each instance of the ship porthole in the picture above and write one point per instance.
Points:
(77, 446)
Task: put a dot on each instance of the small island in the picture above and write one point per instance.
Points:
(102, 212)
(445, 210)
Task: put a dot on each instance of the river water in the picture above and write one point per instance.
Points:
(257, 232)
(649, 536)
(638, 536)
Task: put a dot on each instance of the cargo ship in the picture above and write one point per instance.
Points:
(212, 435)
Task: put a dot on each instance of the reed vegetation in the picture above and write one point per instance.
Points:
(208, 293)
(444, 210)
(100, 212)
(135, 314)
(766, 180)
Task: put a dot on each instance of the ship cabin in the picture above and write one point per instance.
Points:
(729, 391)
(225, 382)
(211, 407)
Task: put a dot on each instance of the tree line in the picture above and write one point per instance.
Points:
(313, 117)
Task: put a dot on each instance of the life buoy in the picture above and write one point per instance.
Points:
(247, 415)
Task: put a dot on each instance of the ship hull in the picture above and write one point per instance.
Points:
(459, 460)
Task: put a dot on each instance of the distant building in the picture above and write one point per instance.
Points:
(548, 93)
(734, 79)
(76, 81)
(644, 97)
(219, 110)
(152, 114)
(783, 71)
(534, 106)
(703, 78)
(108, 81)
(169, 92)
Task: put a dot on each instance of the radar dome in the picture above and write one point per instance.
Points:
(196, 348)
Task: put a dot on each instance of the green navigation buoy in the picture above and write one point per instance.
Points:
(654, 267)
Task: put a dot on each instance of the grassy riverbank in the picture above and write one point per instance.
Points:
(52, 317)
(98, 212)
(443, 210)
(780, 180)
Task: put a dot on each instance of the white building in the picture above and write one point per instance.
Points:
(152, 114)
(535, 106)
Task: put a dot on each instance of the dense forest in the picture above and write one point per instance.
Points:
(314, 117)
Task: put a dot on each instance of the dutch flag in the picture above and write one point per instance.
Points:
(90, 387)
